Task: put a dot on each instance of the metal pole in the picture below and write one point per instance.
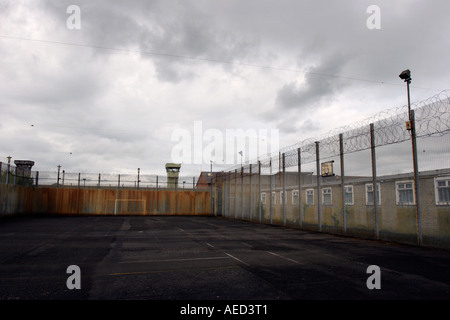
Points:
(224, 194)
(259, 190)
(118, 181)
(250, 191)
(299, 164)
(341, 148)
(284, 189)
(57, 182)
(242, 193)
(270, 196)
(138, 178)
(37, 178)
(79, 179)
(416, 177)
(7, 170)
(374, 177)
(319, 204)
(229, 193)
(99, 177)
(235, 193)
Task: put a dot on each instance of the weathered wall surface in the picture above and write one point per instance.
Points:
(89, 201)
(397, 222)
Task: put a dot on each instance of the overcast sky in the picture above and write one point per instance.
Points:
(114, 94)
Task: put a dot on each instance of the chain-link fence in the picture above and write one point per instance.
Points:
(386, 178)
(15, 175)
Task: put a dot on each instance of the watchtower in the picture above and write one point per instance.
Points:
(173, 171)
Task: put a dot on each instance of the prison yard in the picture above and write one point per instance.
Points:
(330, 219)
(195, 258)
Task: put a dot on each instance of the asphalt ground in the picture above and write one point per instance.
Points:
(197, 259)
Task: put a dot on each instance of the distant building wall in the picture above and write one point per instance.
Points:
(16, 200)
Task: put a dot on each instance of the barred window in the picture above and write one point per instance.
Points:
(326, 196)
(348, 195)
(310, 196)
(274, 198)
(442, 190)
(369, 194)
(281, 197)
(405, 192)
(295, 198)
(263, 197)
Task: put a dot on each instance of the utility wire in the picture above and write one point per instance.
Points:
(206, 60)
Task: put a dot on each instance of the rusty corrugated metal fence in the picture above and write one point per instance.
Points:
(89, 201)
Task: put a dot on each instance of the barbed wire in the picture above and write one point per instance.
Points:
(432, 117)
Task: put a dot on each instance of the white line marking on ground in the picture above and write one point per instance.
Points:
(231, 256)
(286, 258)
(248, 245)
(173, 260)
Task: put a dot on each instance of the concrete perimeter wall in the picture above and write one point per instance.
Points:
(17, 200)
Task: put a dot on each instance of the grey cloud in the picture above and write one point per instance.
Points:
(319, 85)
(86, 99)
(174, 35)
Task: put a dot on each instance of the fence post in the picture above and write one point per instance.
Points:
(224, 194)
(416, 177)
(374, 177)
(259, 191)
(242, 192)
(79, 179)
(341, 151)
(235, 193)
(8, 166)
(270, 195)
(284, 189)
(250, 191)
(229, 193)
(99, 177)
(37, 178)
(319, 204)
(299, 164)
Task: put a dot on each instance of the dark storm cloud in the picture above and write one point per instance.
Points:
(172, 34)
(145, 67)
(319, 85)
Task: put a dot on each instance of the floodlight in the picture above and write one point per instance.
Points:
(405, 75)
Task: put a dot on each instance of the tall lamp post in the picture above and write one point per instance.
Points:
(411, 126)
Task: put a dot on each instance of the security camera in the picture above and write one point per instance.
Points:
(405, 75)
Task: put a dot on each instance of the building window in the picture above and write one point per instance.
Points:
(274, 198)
(405, 193)
(348, 195)
(294, 196)
(281, 197)
(326, 196)
(369, 194)
(310, 196)
(263, 197)
(442, 190)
